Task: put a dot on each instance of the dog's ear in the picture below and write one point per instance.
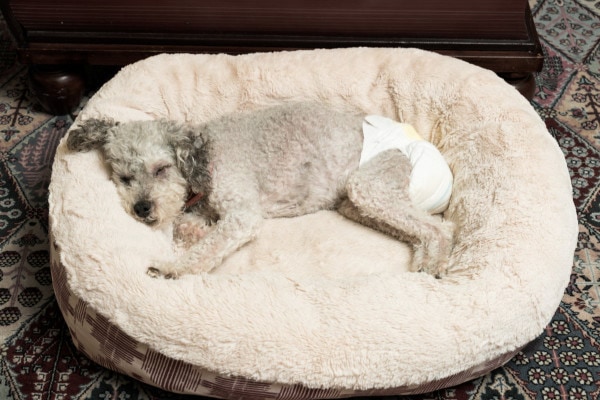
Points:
(191, 148)
(90, 135)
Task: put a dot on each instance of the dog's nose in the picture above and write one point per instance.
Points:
(142, 208)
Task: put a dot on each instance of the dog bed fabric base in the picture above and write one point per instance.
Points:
(322, 321)
(107, 345)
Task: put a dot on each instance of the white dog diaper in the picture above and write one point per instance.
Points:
(430, 179)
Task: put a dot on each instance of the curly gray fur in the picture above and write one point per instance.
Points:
(282, 161)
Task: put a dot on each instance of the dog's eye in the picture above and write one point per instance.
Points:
(126, 180)
(161, 171)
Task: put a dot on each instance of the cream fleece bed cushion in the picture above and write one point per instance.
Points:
(318, 306)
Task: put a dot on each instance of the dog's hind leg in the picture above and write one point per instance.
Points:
(378, 197)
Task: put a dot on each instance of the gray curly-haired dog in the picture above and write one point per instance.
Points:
(231, 173)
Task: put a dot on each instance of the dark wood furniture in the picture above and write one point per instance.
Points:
(58, 38)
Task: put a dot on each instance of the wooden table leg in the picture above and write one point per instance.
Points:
(58, 89)
(523, 82)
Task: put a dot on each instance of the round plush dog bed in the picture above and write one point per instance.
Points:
(318, 306)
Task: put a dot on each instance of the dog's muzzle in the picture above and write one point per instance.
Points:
(143, 208)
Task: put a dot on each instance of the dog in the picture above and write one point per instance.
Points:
(219, 180)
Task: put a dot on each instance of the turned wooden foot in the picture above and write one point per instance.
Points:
(58, 89)
(524, 82)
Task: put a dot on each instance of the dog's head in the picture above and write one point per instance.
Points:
(154, 164)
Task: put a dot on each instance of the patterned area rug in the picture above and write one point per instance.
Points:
(38, 360)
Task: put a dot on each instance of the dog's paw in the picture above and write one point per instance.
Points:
(176, 269)
(190, 229)
(154, 272)
(434, 257)
(423, 261)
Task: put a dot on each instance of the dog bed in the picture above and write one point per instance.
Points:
(317, 306)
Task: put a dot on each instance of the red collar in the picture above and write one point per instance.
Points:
(193, 199)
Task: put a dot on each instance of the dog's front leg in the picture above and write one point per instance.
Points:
(233, 230)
